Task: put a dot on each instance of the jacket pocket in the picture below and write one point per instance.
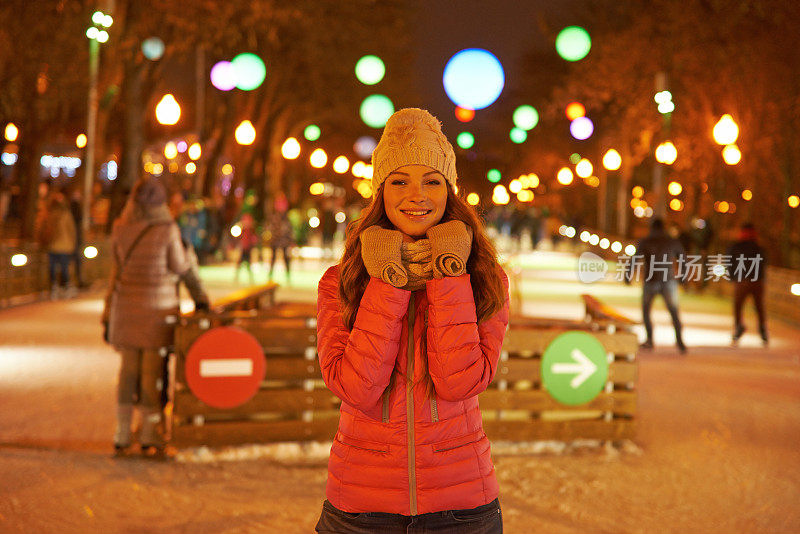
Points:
(455, 443)
(373, 446)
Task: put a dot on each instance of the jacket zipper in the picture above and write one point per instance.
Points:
(412, 472)
(434, 406)
(386, 394)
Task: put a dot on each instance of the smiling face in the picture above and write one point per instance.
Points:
(414, 198)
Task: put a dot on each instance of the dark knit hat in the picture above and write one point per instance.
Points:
(150, 192)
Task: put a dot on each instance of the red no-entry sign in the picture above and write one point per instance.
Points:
(225, 366)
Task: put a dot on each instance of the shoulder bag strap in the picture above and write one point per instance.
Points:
(130, 249)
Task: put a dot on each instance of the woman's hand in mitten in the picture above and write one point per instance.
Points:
(380, 250)
(451, 243)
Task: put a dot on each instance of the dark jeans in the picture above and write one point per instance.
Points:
(741, 291)
(77, 258)
(273, 257)
(669, 291)
(61, 263)
(486, 519)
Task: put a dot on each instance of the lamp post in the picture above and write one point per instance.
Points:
(666, 154)
(612, 161)
(725, 134)
(97, 34)
(665, 107)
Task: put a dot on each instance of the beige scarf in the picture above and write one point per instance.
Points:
(416, 259)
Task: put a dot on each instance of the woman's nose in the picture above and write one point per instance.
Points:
(417, 193)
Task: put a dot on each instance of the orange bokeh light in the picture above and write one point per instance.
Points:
(464, 114)
(575, 110)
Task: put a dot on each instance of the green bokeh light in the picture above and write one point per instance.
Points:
(370, 70)
(249, 70)
(518, 135)
(526, 117)
(494, 176)
(465, 140)
(575, 158)
(573, 43)
(312, 132)
(375, 110)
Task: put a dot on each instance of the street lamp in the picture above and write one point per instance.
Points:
(195, 151)
(11, 132)
(97, 34)
(168, 111)
(674, 188)
(290, 148)
(564, 176)
(500, 195)
(666, 153)
(170, 150)
(245, 133)
(612, 161)
(584, 168)
(726, 131)
(731, 154)
(318, 158)
(341, 165)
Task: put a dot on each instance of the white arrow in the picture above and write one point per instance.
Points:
(583, 367)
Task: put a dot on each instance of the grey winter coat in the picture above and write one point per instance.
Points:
(142, 302)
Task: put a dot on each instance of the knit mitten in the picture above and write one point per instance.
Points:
(380, 250)
(451, 243)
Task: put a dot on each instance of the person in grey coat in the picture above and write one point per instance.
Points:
(142, 306)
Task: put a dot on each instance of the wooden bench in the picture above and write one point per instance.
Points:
(603, 315)
(250, 298)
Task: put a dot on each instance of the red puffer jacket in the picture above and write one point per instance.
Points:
(382, 460)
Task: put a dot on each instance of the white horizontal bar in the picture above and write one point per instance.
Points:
(226, 367)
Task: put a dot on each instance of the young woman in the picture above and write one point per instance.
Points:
(410, 326)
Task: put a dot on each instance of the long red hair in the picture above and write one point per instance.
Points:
(485, 277)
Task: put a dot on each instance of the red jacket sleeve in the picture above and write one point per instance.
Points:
(357, 364)
(462, 355)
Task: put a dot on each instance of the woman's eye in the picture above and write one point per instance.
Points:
(433, 182)
(398, 182)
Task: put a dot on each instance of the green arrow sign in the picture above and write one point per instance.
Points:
(574, 368)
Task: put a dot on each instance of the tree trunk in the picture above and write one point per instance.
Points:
(30, 141)
(29, 178)
(625, 175)
(133, 141)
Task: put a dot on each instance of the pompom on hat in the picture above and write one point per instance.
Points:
(412, 136)
(150, 192)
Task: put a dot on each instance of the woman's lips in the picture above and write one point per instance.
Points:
(416, 215)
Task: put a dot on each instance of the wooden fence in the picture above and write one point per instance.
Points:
(779, 300)
(30, 280)
(293, 403)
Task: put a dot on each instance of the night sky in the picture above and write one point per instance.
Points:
(507, 28)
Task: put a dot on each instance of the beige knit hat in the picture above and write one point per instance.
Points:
(412, 136)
